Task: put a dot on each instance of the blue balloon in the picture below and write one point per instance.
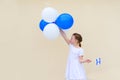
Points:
(64, 21)
(42, 24)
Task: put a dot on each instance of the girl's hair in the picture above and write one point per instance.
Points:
(78, 37)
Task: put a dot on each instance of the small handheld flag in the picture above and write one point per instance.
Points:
(98, 61)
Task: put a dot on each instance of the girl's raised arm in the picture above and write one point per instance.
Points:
(65, 37)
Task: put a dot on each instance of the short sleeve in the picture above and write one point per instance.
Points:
(81, 52)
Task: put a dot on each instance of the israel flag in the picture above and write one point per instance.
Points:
(98, 61)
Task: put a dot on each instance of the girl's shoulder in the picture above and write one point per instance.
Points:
(78, 48)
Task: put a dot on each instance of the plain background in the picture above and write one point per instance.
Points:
(25, 54)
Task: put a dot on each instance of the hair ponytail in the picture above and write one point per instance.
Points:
(79, 44)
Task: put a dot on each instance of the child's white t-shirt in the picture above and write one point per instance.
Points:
(75, 69)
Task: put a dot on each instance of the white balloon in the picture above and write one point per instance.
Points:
(51, 31)
(49, 14)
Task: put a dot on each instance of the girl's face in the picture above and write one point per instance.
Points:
(73, 40)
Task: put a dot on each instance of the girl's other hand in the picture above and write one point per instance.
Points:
(88, 61)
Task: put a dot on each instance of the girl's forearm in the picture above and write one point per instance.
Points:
(62, 33)
(64, 36)
(85, 61)
(82, 61)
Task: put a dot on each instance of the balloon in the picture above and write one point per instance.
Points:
(51, 31)
(65, 21)
(49, 14)
(66, 30)
(42, 24)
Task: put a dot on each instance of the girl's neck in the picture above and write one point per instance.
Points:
(76, 45)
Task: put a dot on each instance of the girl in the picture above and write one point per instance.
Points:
(75, 69)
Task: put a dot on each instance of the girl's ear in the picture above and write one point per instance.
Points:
(76, 41)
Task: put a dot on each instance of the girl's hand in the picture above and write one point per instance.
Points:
(88, 61)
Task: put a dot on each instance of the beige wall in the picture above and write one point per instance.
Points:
(25, 54)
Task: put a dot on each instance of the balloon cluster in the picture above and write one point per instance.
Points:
(52, 21)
